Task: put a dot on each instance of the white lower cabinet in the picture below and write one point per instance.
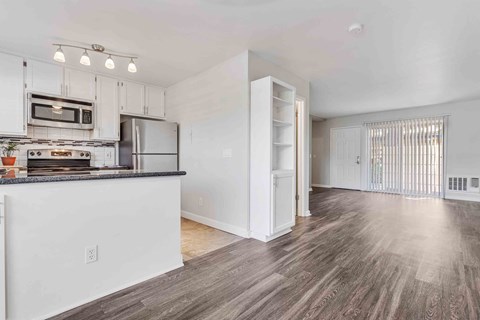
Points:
(107, 121)
(283, 204)
(12, 110)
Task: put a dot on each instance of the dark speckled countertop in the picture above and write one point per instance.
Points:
(23, 177)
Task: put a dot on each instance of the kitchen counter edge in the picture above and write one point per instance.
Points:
(122, 175)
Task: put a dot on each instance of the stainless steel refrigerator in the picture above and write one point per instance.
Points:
(149, 145)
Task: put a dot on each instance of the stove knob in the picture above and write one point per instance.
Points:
(87, 154)
(39, 153)
(32, 153)
(81, 154)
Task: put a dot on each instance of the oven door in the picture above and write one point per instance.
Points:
(59, 113)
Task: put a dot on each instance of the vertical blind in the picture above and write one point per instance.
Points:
(406, 156)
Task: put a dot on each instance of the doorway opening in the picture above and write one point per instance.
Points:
(300, 136)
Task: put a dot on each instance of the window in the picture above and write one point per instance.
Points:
(406, 157)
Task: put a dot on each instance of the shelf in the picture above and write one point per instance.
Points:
(282, 171)
(279, 144)
(280, 123)
(279, 102)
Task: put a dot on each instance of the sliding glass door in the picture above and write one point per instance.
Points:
(406, 157)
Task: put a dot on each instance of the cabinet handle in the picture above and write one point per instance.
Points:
(61, 89)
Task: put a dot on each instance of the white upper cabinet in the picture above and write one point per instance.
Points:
(79, 84)
(44, 78)
(132, 98)
(12, 111)
(107, 122)
(155, 102)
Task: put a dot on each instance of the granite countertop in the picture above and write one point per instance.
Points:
(18, 177)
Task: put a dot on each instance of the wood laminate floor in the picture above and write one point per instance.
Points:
(359, 256)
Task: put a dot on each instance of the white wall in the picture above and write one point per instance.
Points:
(463, 152)
(259, 68)
(212, 109)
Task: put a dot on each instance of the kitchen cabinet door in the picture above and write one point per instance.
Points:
(283, 201)
(44, 78)
(132, 98)
(107, 115)
(12, 109)
(79, 84)
(155, 102)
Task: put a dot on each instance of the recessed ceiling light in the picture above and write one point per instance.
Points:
(356, 28)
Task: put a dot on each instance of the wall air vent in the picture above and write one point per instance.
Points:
(474, 183)
(458, 184)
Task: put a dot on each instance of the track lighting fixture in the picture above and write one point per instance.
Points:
(85, 58)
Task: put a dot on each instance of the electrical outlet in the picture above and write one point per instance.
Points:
(108, 154)
(200, 201)
(91, 254)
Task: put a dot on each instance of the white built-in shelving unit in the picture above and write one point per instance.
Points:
(272, 162)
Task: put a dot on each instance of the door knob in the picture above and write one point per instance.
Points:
(358, 160)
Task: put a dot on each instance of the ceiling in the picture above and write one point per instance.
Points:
(411, 53)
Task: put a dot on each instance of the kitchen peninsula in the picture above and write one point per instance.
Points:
(85, 236)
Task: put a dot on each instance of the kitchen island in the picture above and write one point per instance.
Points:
(51, 224)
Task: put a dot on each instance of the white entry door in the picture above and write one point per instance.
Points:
(345, 159)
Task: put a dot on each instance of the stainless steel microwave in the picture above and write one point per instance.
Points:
(60, 112)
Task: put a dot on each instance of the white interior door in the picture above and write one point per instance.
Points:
(345, 169)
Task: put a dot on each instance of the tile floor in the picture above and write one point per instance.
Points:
(199, 239)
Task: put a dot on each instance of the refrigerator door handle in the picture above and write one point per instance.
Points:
(134, 160)
(137, 151)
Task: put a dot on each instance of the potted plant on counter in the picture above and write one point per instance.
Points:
(8, 149)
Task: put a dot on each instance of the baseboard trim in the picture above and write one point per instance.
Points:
(462, 196)
(108, 292)
(216, 224)
(321, 185)
(265, 238)
(305, 214)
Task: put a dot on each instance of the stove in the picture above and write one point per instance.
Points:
(48, 162)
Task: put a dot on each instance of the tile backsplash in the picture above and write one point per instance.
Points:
(103, 152)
